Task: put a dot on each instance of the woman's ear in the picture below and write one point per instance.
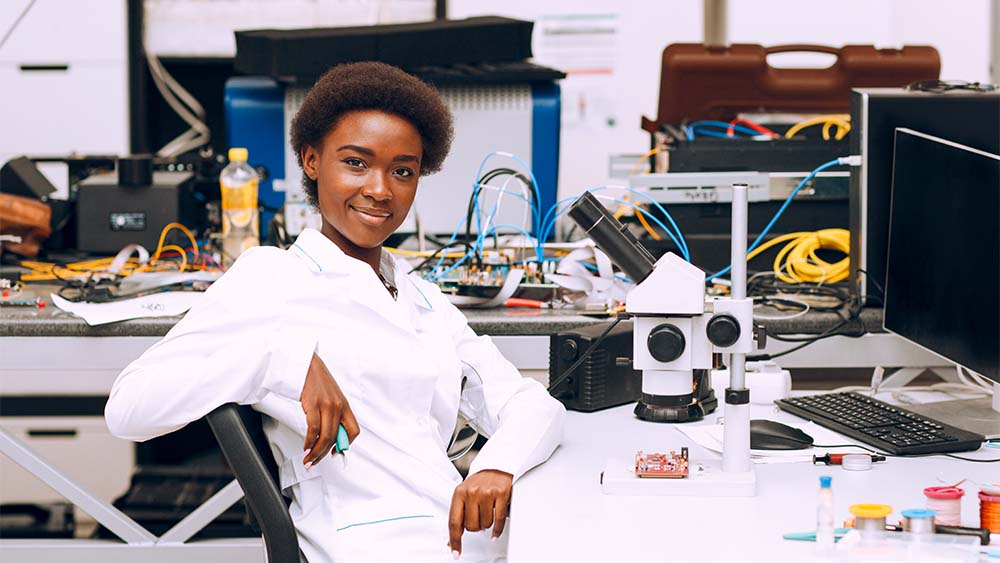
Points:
(310, 162)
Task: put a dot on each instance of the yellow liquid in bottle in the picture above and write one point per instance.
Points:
(240, 220)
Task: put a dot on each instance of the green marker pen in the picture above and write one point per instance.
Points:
(343, 444)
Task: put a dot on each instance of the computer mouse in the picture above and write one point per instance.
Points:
(771, 435)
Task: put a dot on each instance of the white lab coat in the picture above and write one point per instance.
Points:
(400, 364)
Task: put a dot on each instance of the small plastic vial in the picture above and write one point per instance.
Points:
(824, 516)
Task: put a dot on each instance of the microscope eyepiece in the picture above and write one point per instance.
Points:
(612, 237)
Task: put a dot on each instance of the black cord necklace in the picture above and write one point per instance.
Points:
(392, 289)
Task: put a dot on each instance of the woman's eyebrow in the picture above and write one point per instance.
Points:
(368, 152)
(356, 148)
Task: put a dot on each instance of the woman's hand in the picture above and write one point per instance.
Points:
(326, 409)
(479, 502)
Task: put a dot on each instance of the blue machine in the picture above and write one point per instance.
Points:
(523, 119)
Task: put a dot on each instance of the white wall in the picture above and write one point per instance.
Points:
(960, 30)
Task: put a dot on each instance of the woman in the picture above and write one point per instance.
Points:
(333, 332)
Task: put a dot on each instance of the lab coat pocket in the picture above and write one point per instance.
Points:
(390, 529)
(306, 488)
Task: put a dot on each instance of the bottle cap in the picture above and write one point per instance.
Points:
(238, 154)
(824, 481)
(870, 510)
(919, 513)
(856, 462)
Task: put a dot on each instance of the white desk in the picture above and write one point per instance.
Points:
(560, 514)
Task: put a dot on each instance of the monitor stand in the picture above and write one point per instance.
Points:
(981, 416)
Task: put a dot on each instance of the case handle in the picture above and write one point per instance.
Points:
(798, 48)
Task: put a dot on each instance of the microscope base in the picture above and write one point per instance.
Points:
(706, 479)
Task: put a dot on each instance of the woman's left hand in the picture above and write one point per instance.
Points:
(479, 502)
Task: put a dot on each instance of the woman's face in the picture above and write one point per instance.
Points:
(366, 171)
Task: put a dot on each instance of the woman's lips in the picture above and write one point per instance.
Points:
(373, 217)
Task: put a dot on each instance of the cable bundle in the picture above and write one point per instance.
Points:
(798, 261)
(43, 271)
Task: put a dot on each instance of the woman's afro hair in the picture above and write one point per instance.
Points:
(372, 86)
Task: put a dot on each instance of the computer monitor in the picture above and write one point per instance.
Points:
(942, 285)
(961, 116)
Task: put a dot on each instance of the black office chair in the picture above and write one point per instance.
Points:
(240, 434)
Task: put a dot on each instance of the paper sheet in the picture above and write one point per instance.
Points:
(166, 304)
(709, 436)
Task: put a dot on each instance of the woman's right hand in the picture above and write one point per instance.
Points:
(326, 409)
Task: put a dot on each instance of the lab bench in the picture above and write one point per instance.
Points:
(60, 367)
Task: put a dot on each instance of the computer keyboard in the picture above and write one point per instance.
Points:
(885, 427)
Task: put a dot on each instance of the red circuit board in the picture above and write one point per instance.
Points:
(662, 466)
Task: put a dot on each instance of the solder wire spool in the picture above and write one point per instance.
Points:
(989, 512)
(918, 521)
(947, 503)
(870, 518)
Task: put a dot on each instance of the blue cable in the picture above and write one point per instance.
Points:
(471, 252)
(536, 209)
(538, 202)
(480, 236)
(659, 223)
(683, 246)
(777, 215)
(717, 135)
(678, 240)
(723, 125)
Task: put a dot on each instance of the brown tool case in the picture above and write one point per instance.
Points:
(707, 82)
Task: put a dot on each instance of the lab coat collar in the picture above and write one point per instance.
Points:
(325, 257)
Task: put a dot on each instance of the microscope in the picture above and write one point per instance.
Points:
(677, 331)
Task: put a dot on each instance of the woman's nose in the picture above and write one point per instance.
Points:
(377, 187)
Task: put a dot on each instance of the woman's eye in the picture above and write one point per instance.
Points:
(404, 172)
(355, 162)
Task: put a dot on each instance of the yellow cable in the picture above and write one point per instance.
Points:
(46, 271)
(181, 251)
(163, 236)
(642, 219)
(419, 254)
(798, 262)
(642, 160)
(842, 121)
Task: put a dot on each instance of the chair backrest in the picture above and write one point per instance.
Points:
(240, 434)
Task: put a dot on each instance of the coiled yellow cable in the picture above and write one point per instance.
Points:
(842, 121)
(797, 261)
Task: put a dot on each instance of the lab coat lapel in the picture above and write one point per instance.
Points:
(362, 285)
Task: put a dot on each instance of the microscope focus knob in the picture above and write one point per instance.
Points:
(723, 330)
(665, 343)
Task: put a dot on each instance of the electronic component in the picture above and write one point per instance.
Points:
(838, 459)
(606, 378)
(112, 213)
(881, 425)
(662, 466)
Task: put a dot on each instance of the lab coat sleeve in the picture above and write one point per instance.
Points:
(235, 345)
(523, 422)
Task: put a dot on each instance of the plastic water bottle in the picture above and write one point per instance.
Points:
(240, 220)
(824, 517)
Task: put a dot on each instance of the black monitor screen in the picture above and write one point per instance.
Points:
(944, 251)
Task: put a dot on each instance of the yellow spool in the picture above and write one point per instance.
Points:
(870, 510)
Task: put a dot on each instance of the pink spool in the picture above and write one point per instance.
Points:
(947, 502)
